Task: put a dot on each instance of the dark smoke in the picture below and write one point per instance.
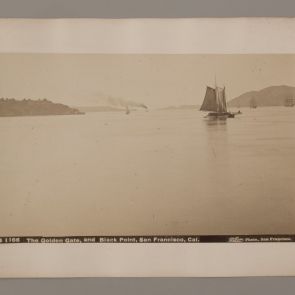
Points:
(120, 102)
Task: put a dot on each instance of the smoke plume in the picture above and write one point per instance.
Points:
(120, 102)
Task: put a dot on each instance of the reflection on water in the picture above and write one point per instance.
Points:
(215, 122)
(161, 172)
(218, 158)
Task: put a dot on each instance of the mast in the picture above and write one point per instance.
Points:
(225, 103)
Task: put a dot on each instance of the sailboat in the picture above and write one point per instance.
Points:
(289, 102)
(253, 104)
(215, 103)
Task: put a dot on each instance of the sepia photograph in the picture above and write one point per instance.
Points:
(147, 147)
(147, 144)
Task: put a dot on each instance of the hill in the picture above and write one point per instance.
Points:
(11, 107)
(270, 96)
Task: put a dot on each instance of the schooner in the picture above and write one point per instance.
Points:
(215, 103)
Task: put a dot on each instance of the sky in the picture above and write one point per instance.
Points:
(157, 80)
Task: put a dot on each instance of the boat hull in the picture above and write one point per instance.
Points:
(220, 116)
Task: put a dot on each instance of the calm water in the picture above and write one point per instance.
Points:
(157, 172)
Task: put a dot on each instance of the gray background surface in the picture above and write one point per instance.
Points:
(147, 8)
(149, 286)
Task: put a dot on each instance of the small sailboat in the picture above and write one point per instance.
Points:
(290, 102)
(253, 104)
(215, 103)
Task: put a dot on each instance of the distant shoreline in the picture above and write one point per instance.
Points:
(41, 115)
(10, 107)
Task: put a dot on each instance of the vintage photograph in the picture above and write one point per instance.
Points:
(147, 144)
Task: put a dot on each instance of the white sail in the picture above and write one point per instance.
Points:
(221, 101)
